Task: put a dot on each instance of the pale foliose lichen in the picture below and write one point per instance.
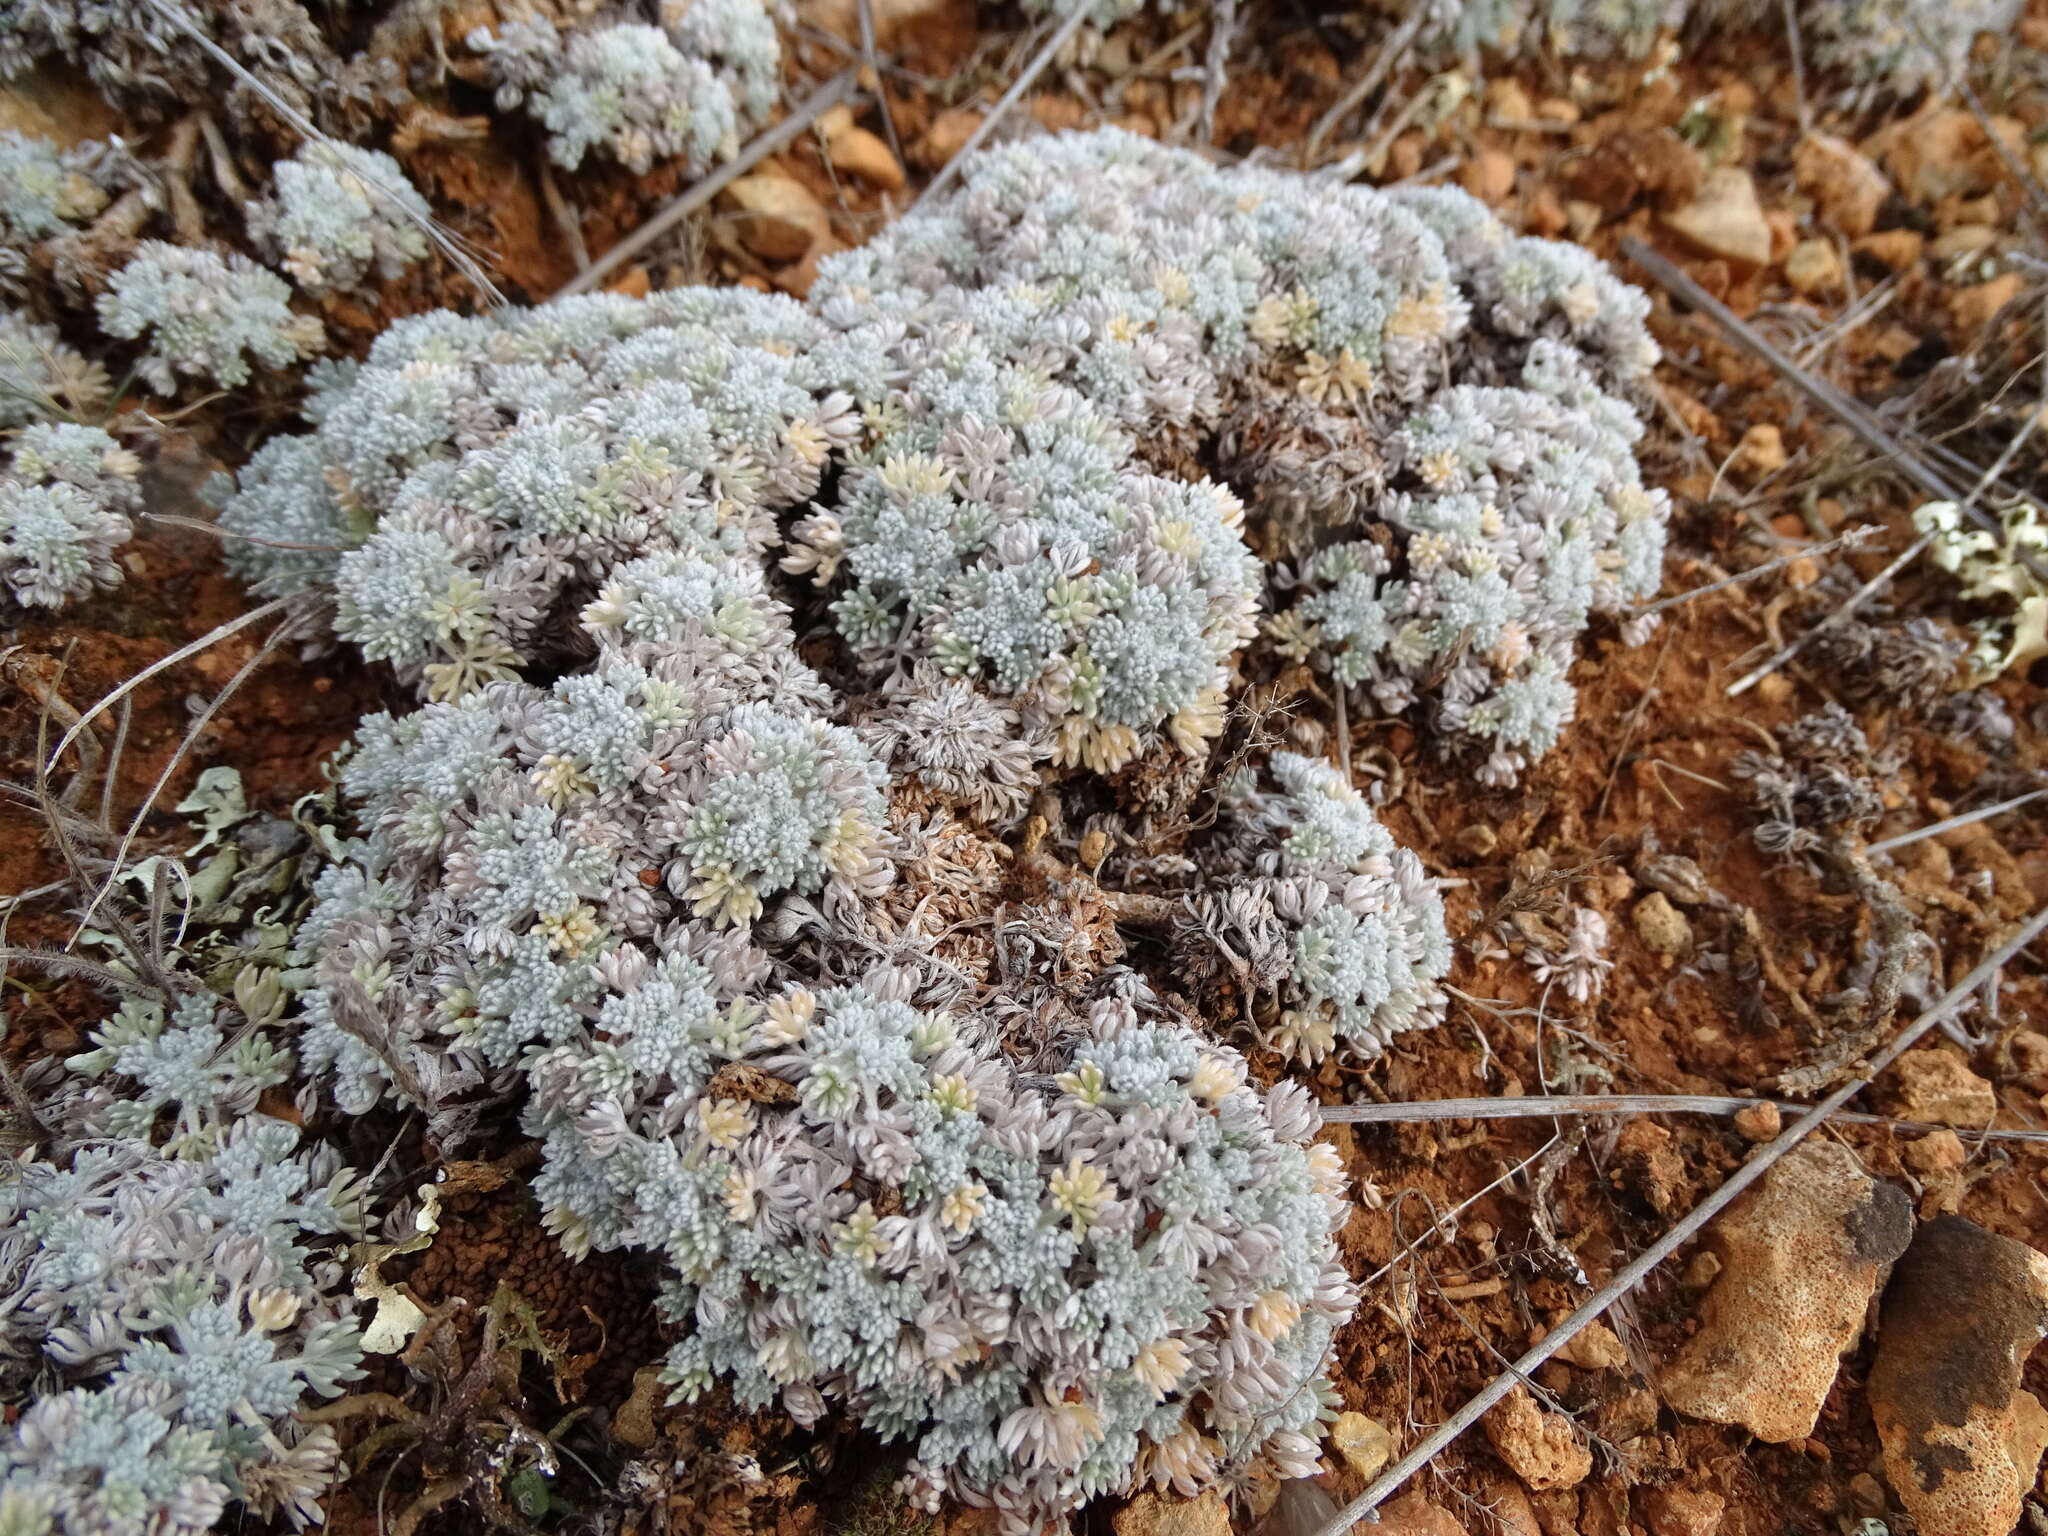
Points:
(337, 214)
(66, 498)
(687, 90)
(1999, 570)
(204, 316)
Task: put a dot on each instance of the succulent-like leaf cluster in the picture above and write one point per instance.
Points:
(623, 863)
(1334, 931)
(43, 192)
(204, 316)
(338, 213)
(1055, 1287)
(42, 377)
(686, 90)
(65, 500)
(1009, 386)
(144, 60)
(173, 1269)
(471, 461)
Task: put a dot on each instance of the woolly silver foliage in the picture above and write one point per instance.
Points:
(204, 316)
(65, 501)
(337, 214)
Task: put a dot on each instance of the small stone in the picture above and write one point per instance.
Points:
(1761, 451)
(1962, 242)
(1594, 1348)
(1803, 1251)
(1961, 1440)
(1152, 1514)
(1582, 219)
(634, 283)
(1542, 1448)
(1937, 1087)
(947, 136)
(842, 17)
(2030, 1057)
(1813, 267)
(1937, 152)
(1490, 176)
(1759, 1122)
(1509, 103)
(1975, 307)
(796, 278)
(778, 218)
(1477, 841)
(1936, 1152)
(1726, 220)
(1847, 188)
(1678, 1511)
(1365, 1444)
(634, 1422)
(1866, 1495)
(860, 153)
(1555, 109)
(1663, 929)
(1514, 1512)
(1646, 1166)
(1894, 249)
(1414, 1515)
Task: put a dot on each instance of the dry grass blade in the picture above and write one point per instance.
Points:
(162, 663)
(1391, 53)
(1534, 1107)
(262, 653)
(1633, 1273)
(872, 60)
(1853, 539)
(1009, 99)
(1827, 396)
(784, 133)
(1961, 819)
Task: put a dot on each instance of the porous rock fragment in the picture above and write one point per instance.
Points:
(1541, 1448)
(1152, 1514)
(1725, 220)
(1802, 1254)
(1365, 1444)
(1961, 1440)
(1938, 1087)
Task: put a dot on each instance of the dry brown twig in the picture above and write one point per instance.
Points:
(1632, 1274)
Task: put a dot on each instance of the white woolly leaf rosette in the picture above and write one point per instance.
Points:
(65, 501)
(1123, 1274)
(1337, 932)
(337, 213)
(522, 837)
(476, 473)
